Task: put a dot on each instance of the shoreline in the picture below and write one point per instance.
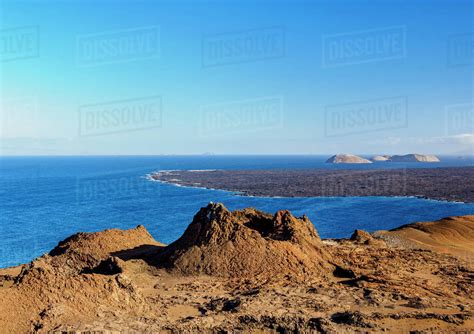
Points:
(446, 184)
(245, 194)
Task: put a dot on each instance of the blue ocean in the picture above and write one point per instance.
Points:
(45, 199)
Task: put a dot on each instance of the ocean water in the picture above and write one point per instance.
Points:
(45, 199)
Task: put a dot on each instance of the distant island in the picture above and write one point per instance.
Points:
(354, 159)
(381, 158)
(347, 159)
(406, 158)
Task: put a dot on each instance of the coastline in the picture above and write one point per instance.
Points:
(446, 184)
(246, 194)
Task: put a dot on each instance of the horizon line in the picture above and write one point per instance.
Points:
(226, 154)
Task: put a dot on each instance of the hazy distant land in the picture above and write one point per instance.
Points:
(343, 158)
(446, 183)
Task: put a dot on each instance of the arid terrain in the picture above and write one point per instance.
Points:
(248, 271)
(444, 183)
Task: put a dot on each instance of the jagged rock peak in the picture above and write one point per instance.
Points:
(246, 242)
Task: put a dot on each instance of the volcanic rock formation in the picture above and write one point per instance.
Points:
(86, 250)
(247, 243)
(347, 159)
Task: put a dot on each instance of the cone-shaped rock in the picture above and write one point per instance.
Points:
(248, 242)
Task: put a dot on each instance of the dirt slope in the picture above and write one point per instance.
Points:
(453, 235)
(87, 250)
(55, 286)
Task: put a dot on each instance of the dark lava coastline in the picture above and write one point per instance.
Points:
(455, 184)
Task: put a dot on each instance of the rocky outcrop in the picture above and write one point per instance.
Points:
(87, 250)
(365, 238)
(78, 278)
(347, 159)
(247, 243)
(414, 158)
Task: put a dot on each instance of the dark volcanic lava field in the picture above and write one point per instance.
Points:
(450, 183)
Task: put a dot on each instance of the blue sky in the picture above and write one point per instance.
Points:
(236, 77)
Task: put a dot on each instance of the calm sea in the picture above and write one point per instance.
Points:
(45, 199)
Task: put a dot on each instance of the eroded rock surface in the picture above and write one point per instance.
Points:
(247, 243)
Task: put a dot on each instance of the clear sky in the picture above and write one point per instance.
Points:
(236, 77)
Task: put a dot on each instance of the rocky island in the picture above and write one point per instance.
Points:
(248, 271)
(380, 158)
(414, 158)
(406, 158)
(347, 159)
(354, 159)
